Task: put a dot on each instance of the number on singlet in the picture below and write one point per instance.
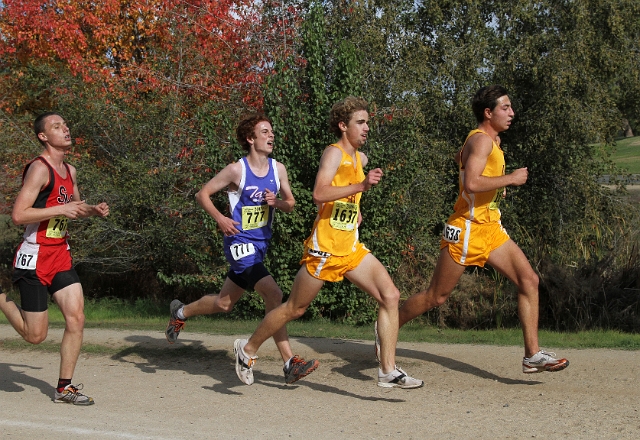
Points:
(254, 217)
(57, 227)
(344, 216)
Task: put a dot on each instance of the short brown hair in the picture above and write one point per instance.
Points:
(39, 123)
(246, 128)
(343, 110)
(486, 97)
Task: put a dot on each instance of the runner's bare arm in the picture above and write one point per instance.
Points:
(286, 201)
(23, 211)
(474, 160)
(324, 192)
(228, 177)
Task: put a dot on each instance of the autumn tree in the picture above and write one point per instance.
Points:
(151, 90)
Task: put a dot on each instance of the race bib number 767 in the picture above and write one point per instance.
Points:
(25, 260)
(57, 227)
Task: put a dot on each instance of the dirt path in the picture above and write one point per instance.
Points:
(470, 392)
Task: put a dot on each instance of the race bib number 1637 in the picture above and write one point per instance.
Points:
(344, 216)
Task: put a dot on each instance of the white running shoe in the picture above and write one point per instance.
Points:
(543, 361)
(398, 378)
(244, 363)
(71, 394)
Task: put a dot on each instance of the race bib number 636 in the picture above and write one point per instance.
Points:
(451, 233)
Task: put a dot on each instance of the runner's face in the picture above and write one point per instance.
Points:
(56, 133)
(357, 128)
(263, 137)
(502, 114)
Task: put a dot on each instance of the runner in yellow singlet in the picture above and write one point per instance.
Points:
(335, 231)
(473, 235)
(333, 251)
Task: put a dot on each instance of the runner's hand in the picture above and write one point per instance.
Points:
(520, 176)
(228, 226)
(74, 210)
(101, 209)
(270, 197)
(373, 177)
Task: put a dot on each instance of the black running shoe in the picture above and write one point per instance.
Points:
(299, 368)
(175, 324)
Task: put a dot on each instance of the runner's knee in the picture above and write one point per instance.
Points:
(433, 298)
(390, 297)
(273, 300)
(75, 321)
(529, 283)
(295, 311)
(36, 337)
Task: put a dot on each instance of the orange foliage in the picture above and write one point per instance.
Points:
(206, 48)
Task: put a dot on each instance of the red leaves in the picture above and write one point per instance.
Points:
(202, 48)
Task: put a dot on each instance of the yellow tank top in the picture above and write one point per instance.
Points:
(335, 230)
(481, 207)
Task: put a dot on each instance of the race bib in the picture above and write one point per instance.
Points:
(26, 260)
(344, 216)
(254, 217)
(241, 250)
(451, 233)
(319, 254)
(57, 227)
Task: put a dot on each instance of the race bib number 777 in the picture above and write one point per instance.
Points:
(254, 217)
(241, 250)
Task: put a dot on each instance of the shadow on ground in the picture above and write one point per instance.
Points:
(349, 358)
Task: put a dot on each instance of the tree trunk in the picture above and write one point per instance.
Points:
(628, 132)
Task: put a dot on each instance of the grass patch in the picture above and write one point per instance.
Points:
(144, 315)
(626, 154)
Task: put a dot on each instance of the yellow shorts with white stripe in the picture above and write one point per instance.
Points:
(332, 267)
(471, 243)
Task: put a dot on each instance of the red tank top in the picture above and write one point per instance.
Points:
(58, 191)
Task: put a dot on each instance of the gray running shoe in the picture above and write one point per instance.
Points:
(377, 343)
(71, 394)
(244, 363)
(397, 379)
(299, 368)
(543, 361)
(175, 324)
